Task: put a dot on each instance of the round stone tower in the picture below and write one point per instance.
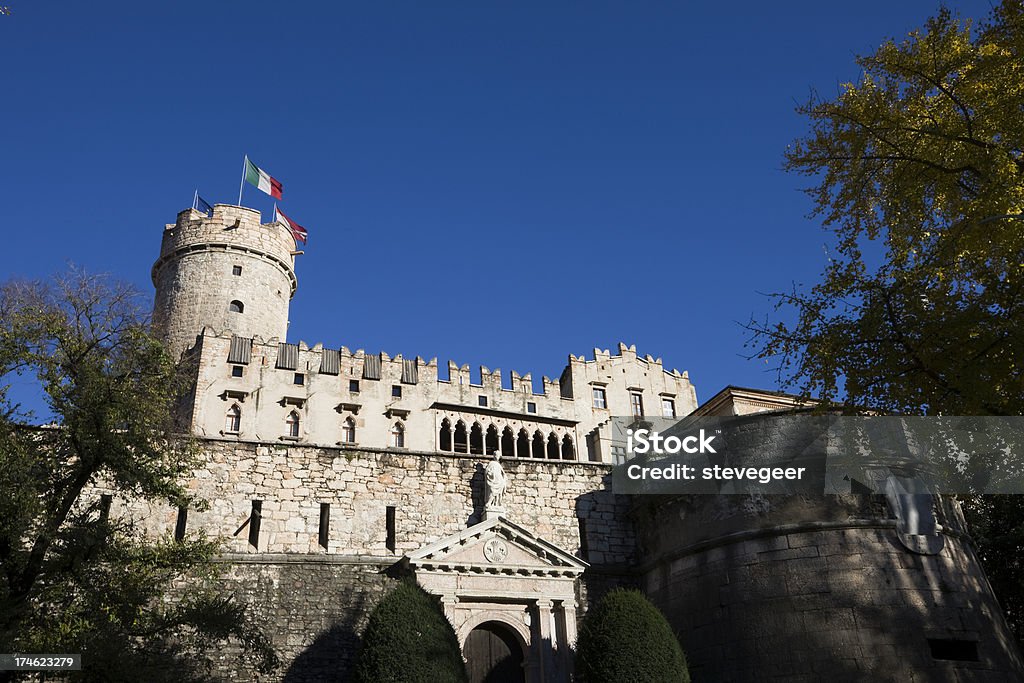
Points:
(228, 272)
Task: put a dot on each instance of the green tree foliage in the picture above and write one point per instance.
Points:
(74, 576)
(920, 175)
(625, 638)
(409, 640)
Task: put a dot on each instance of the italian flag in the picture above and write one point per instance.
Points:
(254, 175)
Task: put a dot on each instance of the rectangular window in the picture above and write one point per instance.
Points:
(637, 403)
(584, 546)
(179, 526)
(236, 270)
(237, 370)
(390, 522)
(668, 407)
(396, 390)
(600, 401)
(531, 407)
(325, 524)
(482, 400)
(353, 386)
(300, 378)
(255, 516)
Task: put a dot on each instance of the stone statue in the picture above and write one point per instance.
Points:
(494, 482)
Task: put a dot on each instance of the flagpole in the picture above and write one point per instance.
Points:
(241, 185)
(195, 200)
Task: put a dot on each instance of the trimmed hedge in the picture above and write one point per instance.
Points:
(625, 638)
(409, 640)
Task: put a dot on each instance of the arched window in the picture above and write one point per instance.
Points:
(523, 444)
(508, 444)
(233, 421)
(552, 446)
(398, 435)
(348, 431)
(492, 440)
(568, 452)
(236, 307)
(292, 425)
(444, 437)
(461, 441)
(476, 439)
(538, 444)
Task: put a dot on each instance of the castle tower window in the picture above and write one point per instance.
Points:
(255, 517)
(523, 444)
(568, 452)
(444, 436)
(538, 445)
(179, 525)
(236, 307)
(389, 521)
(584, 544)
(636, 401)
(325, 525)
(300, 379)
(236, 270)
(353, 386)
(481, 401)
(292, 425)
(348, 431)
(491, 441)
(398, 435)
(668, 407)
(508, 443)
(600, 400)
(593, 447)
(237, 370)
(552, 446)
(461, 442)
(476, 439)
(233, 420)
(531, 407)
(396, 391)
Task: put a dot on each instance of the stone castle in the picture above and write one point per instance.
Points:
(331, 472)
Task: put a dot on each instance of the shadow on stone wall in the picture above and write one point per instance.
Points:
(332, 654)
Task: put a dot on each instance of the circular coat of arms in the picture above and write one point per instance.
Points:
(495, 550)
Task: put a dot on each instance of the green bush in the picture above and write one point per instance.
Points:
(625, 638)
(409, 640)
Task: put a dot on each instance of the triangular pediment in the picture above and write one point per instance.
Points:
(497, 546)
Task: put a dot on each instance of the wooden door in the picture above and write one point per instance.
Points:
(493, 655)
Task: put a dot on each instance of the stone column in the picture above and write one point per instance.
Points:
(567, 637)
(546, 642)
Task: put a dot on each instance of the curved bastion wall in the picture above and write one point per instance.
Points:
(228, 271)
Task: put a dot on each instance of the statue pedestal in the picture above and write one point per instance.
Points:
(493, 512)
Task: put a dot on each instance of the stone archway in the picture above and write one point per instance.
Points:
(494, 654)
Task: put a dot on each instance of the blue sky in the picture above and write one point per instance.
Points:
(497, 183)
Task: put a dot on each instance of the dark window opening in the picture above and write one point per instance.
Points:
(538, 445)
(531, 407)
(236, 270)
(552, 446)
(584, 545)
(523, 444)
(237, 370)
(396, 390)
(508, 443)
(491, 441)
(476, 439)
(300, 379)
(255, 516)
(390, 521)
(325, 524)
(444, 438)
(952, 649)
(461, 442)
(568, 452)
(353, 386)
(179, 526)
(482, 401)
(236, 307)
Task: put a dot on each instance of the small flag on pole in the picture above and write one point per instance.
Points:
(254, 175)
(203, 205)
(298, 232)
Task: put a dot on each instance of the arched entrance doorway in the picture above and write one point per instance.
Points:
(494, 655)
